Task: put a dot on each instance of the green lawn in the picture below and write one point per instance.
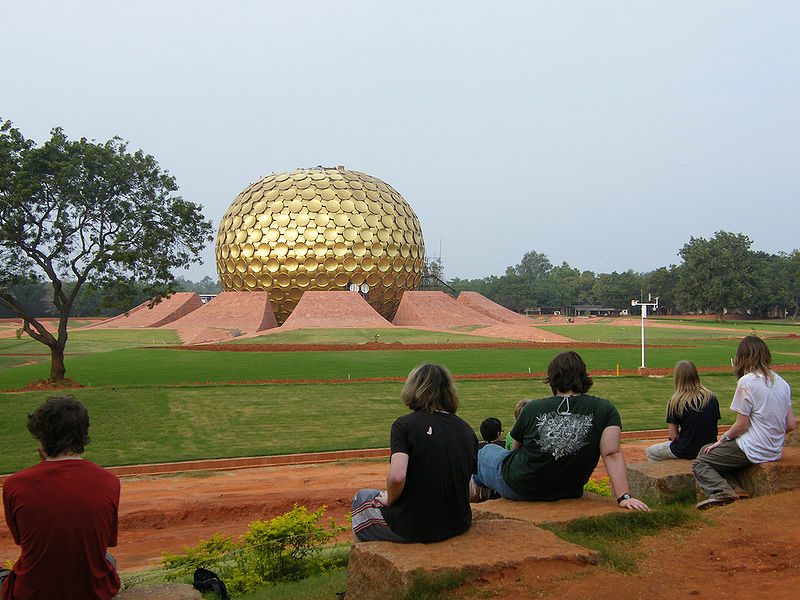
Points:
(165, 366)
(157, 404)
(93, 341)
(142, 424)
(766, 325)
(633, 333)
(357, 336)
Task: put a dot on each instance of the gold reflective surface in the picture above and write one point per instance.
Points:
(320, 229)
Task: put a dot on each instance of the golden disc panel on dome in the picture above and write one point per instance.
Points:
(320, 229)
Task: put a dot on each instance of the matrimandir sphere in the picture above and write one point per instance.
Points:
(320, 229)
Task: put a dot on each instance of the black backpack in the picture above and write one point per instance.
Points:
(208, 581)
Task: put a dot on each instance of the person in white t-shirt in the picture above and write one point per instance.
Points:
(763, 403)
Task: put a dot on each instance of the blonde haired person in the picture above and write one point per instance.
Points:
(763, 403)
(433, 456)
(517, 409)
(692, 416)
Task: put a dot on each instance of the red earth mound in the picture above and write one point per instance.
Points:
(48, 384)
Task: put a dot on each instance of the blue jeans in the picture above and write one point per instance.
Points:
(490, 474)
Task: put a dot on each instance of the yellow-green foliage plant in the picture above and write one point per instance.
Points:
(287, 548)
(601, 487)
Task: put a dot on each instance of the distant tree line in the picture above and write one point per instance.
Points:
(93, 301)
(717, 274)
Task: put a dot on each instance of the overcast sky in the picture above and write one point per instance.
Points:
(601, 133)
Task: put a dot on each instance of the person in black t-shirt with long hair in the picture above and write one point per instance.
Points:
(692, 417)
(433, 456)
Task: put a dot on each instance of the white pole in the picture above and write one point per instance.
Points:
(644, 306)
(644, 316)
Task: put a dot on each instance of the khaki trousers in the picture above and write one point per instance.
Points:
(708, 469)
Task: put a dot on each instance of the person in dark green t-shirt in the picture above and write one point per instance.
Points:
(557, 443)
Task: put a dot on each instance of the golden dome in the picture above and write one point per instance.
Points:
(320, 229)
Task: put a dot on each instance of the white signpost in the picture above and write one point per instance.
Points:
(644, 306)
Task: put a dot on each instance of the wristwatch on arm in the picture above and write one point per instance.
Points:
(624, 497)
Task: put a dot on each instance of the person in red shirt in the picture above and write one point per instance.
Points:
(62, 512)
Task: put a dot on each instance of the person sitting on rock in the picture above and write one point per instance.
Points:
(433, 456)
(491, 429)
(692, 416)
(763, 405)
(62, 512)
(558, 442)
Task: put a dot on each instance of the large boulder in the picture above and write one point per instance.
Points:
(773, 477)
(381, 570)
(792, 439)
(663, 481)
(563, 511)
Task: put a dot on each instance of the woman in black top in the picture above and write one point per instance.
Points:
(433, 456)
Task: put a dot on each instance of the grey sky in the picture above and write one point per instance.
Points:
(603, 134)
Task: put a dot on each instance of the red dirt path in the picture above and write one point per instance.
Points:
(748, 549)
(169, 512)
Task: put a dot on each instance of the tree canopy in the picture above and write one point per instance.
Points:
(76, 213)
(716, 274)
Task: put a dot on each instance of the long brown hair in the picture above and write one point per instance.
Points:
(688, 390)
(753, 356)
(430, 388)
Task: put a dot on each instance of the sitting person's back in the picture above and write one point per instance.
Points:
(433, 455)
(63, 514)
(559, 445)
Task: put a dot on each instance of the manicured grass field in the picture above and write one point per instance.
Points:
(91, 341)
(165, 366)
(156, 404)
(633, 333)
(141, 424)
(761, 326)
(357, 336)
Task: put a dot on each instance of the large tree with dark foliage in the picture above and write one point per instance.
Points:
(718, 273)
(78, 213)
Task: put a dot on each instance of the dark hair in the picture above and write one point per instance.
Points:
(430, 387)
(61, 424)
(490, 429)
(566, 372)
(752, 356)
